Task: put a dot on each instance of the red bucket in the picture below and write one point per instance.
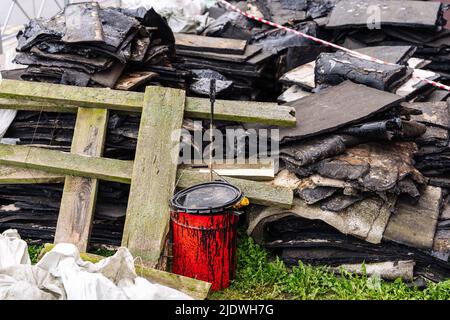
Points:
(204, 226)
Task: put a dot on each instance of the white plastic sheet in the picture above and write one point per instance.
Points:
(18, 278)
(62, 274)
(13, 250)
(185, 16)
(7, 116)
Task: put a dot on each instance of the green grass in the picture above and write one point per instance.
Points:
(104, 252)
(259, 278)
(33, 251)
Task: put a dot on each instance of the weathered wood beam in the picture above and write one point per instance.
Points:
(120, 171)
(62, 98)
(154, 172)
(15, 175)
(66, 163)
(242, 111)
(197, 289)
(77, 208)
(29, 105)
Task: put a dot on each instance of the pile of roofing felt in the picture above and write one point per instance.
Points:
(241, 70)
(86, 45)
(417, 23)
(350, 161)
(369, 155)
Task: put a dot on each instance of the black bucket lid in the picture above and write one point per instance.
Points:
(209, 197)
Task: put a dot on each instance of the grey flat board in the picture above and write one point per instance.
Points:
(280, 12)
(414, 85)
(336, 107)
(209, 44)
(250, 51)
(438, 95)
(433, 113)
(437, 118)
(83, 23)
(302, 76)
(415, 225)
(391, 54)
(356, 13)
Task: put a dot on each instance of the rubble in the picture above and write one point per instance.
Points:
(248, 67)
(112, 43)
(353, 13)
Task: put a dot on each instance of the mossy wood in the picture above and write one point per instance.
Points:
(16, 175)
(79, 196)
(65, 163)
(154, 172)
(61, 98)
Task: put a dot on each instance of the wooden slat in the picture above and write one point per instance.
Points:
(132, 80)
(154, 173)
(120, 171)
(259, 171)
(66, 163)
(242, 111)
(61, 98)
(251, 51)
(209, 44)
(29, 105)
(79, 196)
(197, 289)
(15, 175)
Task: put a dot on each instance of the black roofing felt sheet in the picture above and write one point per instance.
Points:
(336, 107)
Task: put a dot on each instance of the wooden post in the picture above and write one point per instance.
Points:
(154, 173)
(79, 196)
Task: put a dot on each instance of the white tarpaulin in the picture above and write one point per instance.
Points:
(7, 115)
(13, 250)
(185, 16)
(62, 274)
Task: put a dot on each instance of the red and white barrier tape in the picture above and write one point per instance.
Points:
(323, 42)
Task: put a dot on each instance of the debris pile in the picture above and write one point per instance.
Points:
(246, 70)
(352, 164)
(91, 46)
(416, 23)
(432, 156)
(374, 172)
